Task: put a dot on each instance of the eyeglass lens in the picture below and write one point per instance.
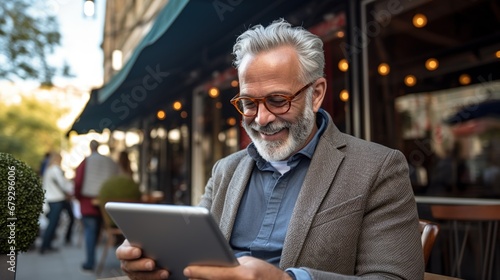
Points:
(276, 104)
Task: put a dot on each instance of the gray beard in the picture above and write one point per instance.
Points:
(282, 149)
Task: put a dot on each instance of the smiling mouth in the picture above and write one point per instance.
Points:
(269, 130)
(268, 133)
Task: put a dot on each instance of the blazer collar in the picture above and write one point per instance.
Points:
(326, 161)
(237, 186)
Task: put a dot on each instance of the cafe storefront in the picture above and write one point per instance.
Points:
(420, 76)
(399, 73)
(397, 70)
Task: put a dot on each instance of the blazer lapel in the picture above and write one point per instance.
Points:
(326, 161)
(234, 194)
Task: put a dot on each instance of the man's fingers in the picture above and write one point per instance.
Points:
(143, 264)
(128, 252)
(143, 269)
(135, 265)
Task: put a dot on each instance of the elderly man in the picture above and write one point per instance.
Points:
(303, 200)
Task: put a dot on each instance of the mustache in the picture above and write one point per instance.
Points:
(271, 127)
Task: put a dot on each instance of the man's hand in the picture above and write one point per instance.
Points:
(249, 268)
(137, 267)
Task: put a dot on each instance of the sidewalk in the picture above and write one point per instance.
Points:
(65, 263)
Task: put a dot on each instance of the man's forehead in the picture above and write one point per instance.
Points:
(274, 64)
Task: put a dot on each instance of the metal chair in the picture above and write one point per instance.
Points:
(464, 216)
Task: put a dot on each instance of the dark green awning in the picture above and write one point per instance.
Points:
(186, 35)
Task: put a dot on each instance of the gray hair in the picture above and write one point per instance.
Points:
(309, 47)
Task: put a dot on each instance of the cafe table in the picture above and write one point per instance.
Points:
(439, 200)
(467, 211)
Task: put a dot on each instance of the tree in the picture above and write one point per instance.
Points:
(29, 129)
(28, 34)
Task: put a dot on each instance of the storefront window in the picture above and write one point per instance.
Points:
(177, 165)
(156, 160)
(332, 32)
(215, 132)
(431, 71)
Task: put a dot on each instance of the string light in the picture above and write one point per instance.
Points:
(231, 121)
(384, 69)
(344, 95)
(343, 65)
(464, 79)
(213, 92)
(419, 20)
(161, 115)
(431, 64)
(177, 105)
(410, 80)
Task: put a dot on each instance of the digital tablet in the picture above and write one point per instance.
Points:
(174, 236)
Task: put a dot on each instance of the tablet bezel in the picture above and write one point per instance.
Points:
(174, 236)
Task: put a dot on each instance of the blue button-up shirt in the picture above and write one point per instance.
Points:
(267, 204)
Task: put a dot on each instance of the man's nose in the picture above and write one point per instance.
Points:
(264, 116)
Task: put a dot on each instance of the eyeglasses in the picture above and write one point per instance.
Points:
(278, 104)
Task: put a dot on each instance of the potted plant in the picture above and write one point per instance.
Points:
(21, 203)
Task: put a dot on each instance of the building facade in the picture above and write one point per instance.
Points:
(397, 71)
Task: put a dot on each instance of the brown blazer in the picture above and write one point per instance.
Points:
(355, 214)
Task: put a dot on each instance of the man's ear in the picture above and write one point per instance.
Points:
(319, 92)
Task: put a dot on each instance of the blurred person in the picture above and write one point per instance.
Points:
(68, 208)
(58, 193)
(92, 172)
(124, 167)
(122, 185)
(303, 200)
(44, 163)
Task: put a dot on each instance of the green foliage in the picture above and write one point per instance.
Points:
(28, 34)
(29, 129)
(21, 200)
(119, 187)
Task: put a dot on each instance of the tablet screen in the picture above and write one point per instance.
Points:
(174, 236)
